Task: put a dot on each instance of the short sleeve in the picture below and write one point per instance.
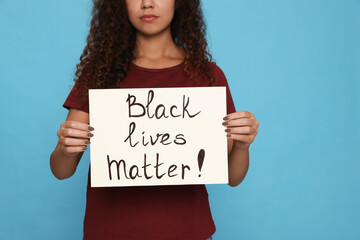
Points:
(222, 81)
(74, 100)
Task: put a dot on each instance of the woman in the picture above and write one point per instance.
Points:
(147, 43)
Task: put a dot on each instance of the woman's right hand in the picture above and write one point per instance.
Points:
(74, 137)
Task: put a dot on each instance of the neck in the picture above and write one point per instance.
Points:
(155, 47)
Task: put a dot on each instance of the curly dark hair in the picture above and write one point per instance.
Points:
(112, 38)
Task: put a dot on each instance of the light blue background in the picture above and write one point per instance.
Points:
(294, 64)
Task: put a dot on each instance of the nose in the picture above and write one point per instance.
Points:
(147, 4)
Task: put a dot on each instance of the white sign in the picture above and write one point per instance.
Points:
(158, 136)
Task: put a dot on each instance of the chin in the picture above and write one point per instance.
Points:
(150, 30)
(150, 33)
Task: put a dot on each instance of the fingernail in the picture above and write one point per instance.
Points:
(84, 148)
(90, 134)
(228, 135)
(225, 123)
(227, 130)
(91, 128)
(226, 118)
(87, 142)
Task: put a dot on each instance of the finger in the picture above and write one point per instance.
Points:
(72, 150)
(241, 137)
(241, 130)
(239, 114)
(240, 122)
(67, 141)
(77, 125)
(71, 132)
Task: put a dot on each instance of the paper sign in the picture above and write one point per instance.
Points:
(158, 136)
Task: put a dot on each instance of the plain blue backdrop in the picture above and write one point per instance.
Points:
(294, 63)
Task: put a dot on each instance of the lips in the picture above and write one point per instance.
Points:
(149, 17)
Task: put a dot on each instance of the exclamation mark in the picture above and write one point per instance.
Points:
(201, 157)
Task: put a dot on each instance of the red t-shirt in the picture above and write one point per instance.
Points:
(150, 212)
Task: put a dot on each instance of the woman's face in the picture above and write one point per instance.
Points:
(150, 17)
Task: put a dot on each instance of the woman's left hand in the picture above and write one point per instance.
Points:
(242, 127)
